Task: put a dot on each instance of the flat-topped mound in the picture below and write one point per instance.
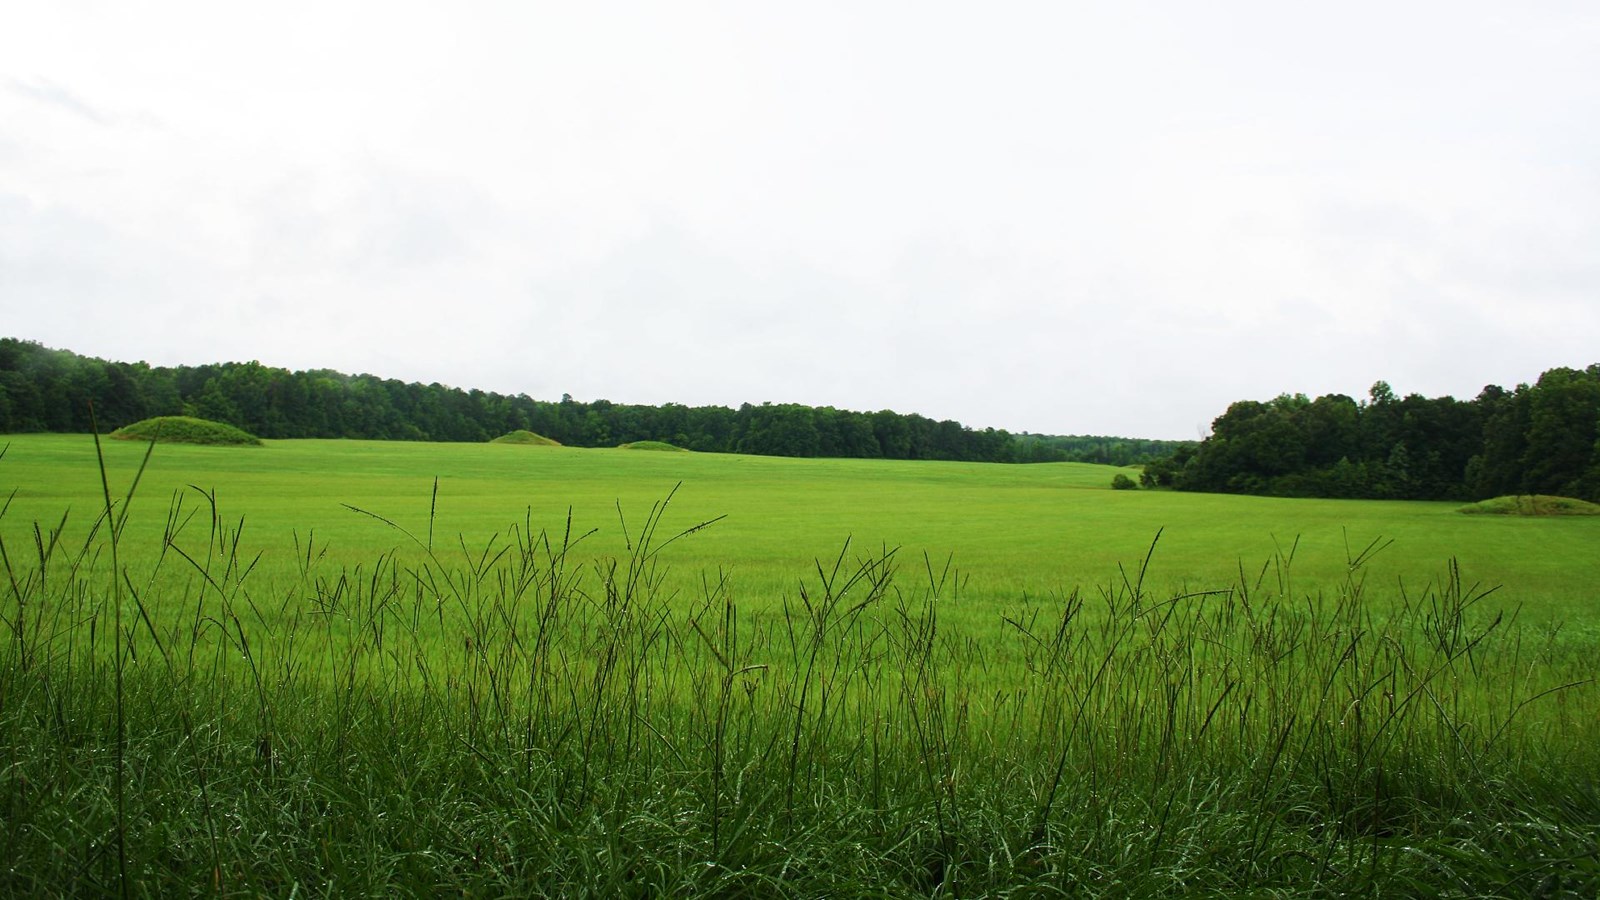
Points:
(1532, 505)
(651, 445)
(526, 438)
(186, 430)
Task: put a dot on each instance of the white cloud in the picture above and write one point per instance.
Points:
(1064, 218)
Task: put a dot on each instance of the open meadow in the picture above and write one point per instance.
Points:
(1009, 529)
(403, 667)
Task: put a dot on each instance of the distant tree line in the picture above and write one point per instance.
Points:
(43, 389)
(1110, 451)
(1542, 438)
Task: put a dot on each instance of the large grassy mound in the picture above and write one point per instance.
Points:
(526, 438)
(185, 430)
(1532, 505)
(651, 445)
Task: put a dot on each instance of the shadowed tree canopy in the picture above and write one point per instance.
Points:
(1537, 439)
(42, 389)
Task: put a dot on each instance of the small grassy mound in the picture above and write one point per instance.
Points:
(526, 438)
(185, 430)
(651, 445)
(1532, 505)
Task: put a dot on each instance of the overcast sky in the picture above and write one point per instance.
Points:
(1058, 217)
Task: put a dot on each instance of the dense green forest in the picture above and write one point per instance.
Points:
(43, 389)
(1542, 438)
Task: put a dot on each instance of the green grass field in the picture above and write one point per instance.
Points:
(985, 694)
(1009, 529)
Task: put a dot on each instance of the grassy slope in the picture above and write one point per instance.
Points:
(1532, 505)
(186, 430)
(525, 438)
(1009, 529)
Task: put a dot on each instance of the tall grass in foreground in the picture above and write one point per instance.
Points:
(500, 720)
